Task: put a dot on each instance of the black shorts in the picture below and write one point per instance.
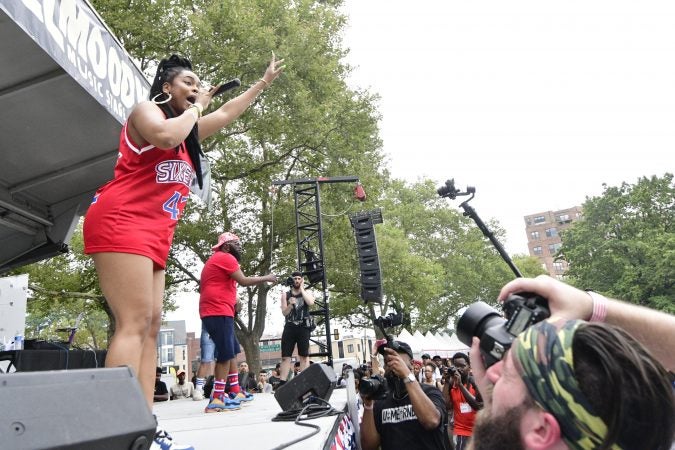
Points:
(292, 335)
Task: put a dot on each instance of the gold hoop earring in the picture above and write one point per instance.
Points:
(162, 102)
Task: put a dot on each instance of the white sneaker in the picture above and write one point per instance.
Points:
(197, 395)
(163, 441)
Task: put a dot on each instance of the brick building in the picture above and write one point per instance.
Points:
(543, 237)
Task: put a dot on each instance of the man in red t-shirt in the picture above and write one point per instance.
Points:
(463, 398)
(217, 301)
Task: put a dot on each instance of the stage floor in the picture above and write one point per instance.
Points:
(250, 427)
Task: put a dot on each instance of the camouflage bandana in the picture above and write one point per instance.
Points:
(543, 358)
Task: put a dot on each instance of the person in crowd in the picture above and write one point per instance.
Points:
(217, 303)
(182, 389)
(161, 393)
(462, 398)
(263, 386)
(579, 380)
(295, 305)
(428, 379)
(426, 359)
(206, 367)
(129, 226)
(342, 380)
(412, 416)
(275, 378)
(246, 379)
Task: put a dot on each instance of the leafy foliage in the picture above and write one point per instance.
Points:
(625, 244)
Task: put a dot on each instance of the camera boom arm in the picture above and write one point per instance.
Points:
(449, 191)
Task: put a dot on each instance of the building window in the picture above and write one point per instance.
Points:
(167, 338)
(564, 218)
(539, 219)
(350, 348)
(535, 235)
(551, 232)
(553, 248)
(558, 266)
(537, 250)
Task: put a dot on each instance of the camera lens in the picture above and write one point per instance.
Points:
(478, 317)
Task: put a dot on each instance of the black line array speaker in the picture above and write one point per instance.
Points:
(317, 380)
(366, 248)
(74, 409)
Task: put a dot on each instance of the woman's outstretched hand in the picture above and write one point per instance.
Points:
(273, 70)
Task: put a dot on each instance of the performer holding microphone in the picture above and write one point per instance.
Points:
(129, 226)
(295, 305)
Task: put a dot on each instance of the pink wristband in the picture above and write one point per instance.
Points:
(599, 307)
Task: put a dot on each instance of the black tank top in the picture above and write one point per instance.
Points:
(301, 310)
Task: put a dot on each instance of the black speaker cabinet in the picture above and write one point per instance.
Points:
(317, 380)
(74, 409)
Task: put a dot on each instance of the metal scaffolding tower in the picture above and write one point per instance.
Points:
(310, 248)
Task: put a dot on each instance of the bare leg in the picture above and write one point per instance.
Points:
(304, 362)
(149, 354)
(285, 367)
(127, 282)
(205, 369)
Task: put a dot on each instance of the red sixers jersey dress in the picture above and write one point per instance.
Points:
(137, 211)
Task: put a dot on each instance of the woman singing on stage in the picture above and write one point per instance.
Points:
(129, 226)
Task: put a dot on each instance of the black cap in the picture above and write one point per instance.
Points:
(404, 348)
(436, 357)
(426, 356)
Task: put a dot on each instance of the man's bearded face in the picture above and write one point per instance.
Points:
(498, 432)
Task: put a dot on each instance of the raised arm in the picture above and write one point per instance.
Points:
(654, 329)
(226, 114)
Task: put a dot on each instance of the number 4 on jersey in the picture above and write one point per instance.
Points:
(171, 205)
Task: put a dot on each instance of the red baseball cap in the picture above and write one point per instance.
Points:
(225, 237)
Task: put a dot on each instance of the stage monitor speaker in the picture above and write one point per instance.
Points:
(317, 380)
(74, 409)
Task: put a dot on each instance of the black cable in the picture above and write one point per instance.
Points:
(310, 411)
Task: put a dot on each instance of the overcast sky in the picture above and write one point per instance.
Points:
(535, 103)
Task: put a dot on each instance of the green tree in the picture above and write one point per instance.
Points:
(308, 124)
(434, 262)
(624, 246)
(61, 289)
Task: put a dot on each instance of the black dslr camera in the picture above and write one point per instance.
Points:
(289, 282)
(374, 387)
(496, 333)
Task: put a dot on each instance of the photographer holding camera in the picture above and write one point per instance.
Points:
(462, 398)
(295, 305)
(565, 383)
(408, 415)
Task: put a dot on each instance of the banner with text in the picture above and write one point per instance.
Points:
(71, 33)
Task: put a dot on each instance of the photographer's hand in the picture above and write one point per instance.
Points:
(456, 378)
(651, 327)
(484, 385)
(564, 301)
(394, 362)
